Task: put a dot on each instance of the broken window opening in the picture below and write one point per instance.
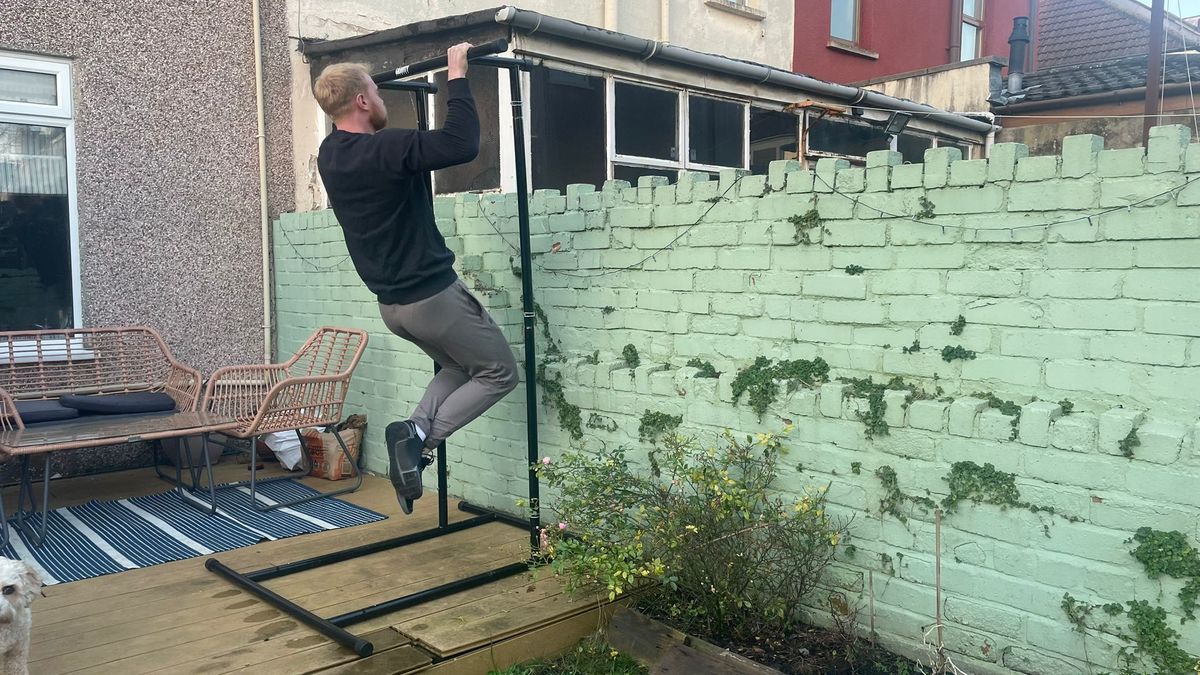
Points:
(912, 147)
(567, 128)
(840, 137)
(482, 173)
(773, 135)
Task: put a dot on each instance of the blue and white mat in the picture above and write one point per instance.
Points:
(105, 537)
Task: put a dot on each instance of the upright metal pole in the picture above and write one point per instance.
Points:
(1154, 69)
(527, 311)
(420, 100)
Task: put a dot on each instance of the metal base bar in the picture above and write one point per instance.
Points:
(366, 549)
(359, 645)
(500, 516)
(252, 582)
(428, 594)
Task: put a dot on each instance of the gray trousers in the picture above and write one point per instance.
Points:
(478, 368)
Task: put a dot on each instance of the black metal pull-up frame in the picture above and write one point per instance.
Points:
(335, 627)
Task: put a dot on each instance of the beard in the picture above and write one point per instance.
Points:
(378, 118)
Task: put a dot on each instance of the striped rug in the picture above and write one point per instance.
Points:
(99, 538)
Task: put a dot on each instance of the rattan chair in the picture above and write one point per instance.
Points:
(308, 390)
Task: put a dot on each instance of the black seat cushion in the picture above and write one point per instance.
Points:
(120, 404)
(36, 412)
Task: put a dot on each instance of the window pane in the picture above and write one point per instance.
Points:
(843, 19)
(21, 86)
(843, 138)
(716, 131)
(913, 148)
(633, 173)
(647, 121)
(35, 229)
(972, 8)
(970, 42)
(773, 135)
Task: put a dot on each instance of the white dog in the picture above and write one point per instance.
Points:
(19, 585)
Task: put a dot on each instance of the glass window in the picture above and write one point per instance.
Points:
(646, 121)
(970, 41)
(843, 20)
(20, 86)
(36, 271)
(716, 131)
(972, 30)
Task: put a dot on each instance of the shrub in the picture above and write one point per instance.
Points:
(699, 529)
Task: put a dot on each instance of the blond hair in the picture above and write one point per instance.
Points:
(337, 86)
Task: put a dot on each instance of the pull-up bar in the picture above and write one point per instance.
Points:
(493, 47)
(334, 627)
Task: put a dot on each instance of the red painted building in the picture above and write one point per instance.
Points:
(854, 40)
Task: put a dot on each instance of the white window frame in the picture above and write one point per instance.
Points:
(61, 116)
(682, 130)
(610, 97)
(687, 121)
(60, 69)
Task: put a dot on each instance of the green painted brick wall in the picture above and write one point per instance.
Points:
(1104, 312)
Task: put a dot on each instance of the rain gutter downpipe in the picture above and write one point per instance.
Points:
(263, 212)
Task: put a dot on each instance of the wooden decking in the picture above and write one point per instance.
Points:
(181, 618)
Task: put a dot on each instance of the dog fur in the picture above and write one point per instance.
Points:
(19, 585)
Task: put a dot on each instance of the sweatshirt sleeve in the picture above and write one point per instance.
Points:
(456, 142)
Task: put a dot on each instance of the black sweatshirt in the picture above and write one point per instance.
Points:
(379, 187)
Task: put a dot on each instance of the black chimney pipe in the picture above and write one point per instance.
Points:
(1018, 47)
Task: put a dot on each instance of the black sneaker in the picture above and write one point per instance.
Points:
(404, 462)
